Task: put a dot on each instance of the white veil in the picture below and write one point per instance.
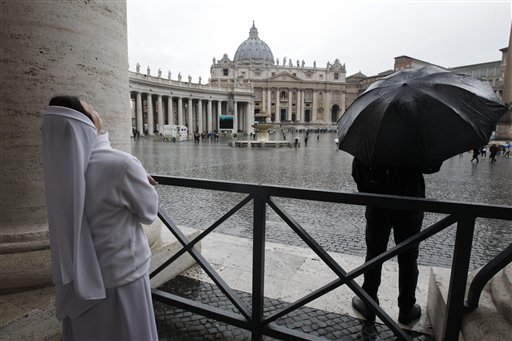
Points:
(68, 138)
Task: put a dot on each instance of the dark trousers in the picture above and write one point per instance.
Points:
(405, 224)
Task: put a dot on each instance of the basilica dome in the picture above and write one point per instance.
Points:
(254, 49)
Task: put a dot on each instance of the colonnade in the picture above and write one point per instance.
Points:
(150, 112)
(302, 105)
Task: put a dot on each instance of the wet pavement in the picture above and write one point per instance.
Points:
(337, 228)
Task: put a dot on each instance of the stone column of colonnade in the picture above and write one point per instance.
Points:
(277, 117)
(190, 121)
(210, 116)
(269, 101)
(300, 105)
(235, 117)
(138, 113)
(315, 107)
(200, 115)
(180, 111)
(290, 99)
(170, 116)
(151, 120)
(160, 114)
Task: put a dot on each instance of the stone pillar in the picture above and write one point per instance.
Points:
(263, 103)
(278, 106)
(180, 111)
(210, 116)
(315, 106)
(190, 120)
(343, 104)
(50, 48)
(200, 115)
(300, 106)
(140, 125)
(249, 118)
(328, 105)
(219, 112)
(151, 117)
(290, 98)
(235, 117)
(170, 114)
(269, 101)
(160, 115)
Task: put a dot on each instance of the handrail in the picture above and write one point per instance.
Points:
(463, 214)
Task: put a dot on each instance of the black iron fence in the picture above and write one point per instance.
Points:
(252, 318)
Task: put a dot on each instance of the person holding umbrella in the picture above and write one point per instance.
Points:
(401, 127)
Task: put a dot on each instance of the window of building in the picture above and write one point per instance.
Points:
(336, 75)
(321, 76)
(225, 72)
(273, 74)
(295, 74)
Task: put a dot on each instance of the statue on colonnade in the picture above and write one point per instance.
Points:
(137, 67)
(148, 71)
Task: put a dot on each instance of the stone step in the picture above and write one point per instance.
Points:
(490, 321)
(30, 314)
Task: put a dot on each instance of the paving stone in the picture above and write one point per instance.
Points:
(177, 324)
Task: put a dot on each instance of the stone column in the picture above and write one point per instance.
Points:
(328, 107)
(160, 115)
(180, 111)
(140, 125)
(151, 117)
(300, 104)
(315, 106)
(263, 103)
(278, 106)
(170, 114)
(249, 118)
(343, 104)
(45, 54)
(235, 117)
(210, 116)
(219, 112)
(200, 115)
(190, 119)
(290, 98)
(269, 101)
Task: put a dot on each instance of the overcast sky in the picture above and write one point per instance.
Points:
(185, 35)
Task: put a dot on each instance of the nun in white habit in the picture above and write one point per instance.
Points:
(97, 198)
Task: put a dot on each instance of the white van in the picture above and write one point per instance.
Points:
(175, 132)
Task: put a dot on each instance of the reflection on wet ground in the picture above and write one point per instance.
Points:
(338, 228)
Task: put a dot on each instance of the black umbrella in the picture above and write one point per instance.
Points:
(419, 118)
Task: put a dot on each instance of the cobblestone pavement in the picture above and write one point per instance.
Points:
(177, 324)
(338, 228)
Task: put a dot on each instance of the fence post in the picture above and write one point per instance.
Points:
(258, 263)
(460, 266)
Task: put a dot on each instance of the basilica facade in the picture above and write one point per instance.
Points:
(253, 82)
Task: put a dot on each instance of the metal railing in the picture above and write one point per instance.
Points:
(253, 319)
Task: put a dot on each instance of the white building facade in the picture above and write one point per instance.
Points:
(290, 91)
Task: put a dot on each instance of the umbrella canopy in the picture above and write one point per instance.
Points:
(419, 118)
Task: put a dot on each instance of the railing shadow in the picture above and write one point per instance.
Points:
(252, 318)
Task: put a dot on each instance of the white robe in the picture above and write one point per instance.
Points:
(97, 198)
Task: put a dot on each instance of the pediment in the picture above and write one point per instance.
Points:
(284, 77)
